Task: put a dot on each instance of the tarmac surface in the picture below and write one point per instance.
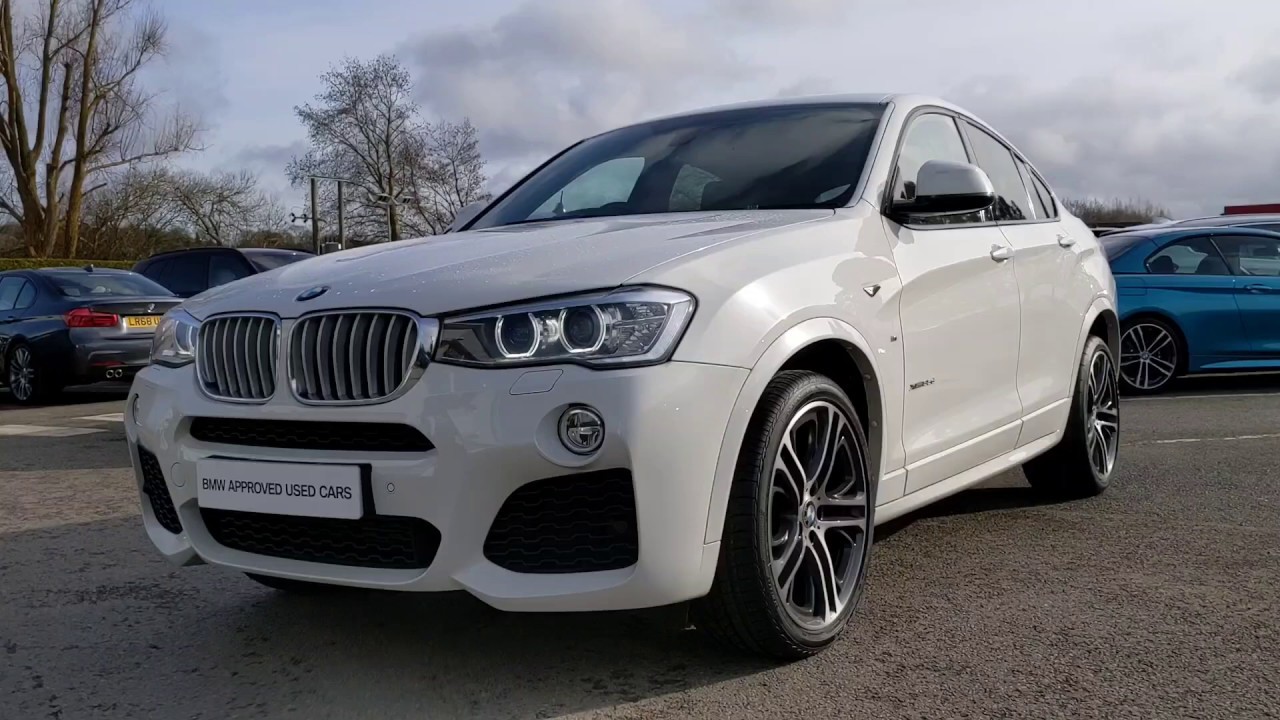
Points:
(1160, 598)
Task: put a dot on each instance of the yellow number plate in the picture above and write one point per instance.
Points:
(144, 321)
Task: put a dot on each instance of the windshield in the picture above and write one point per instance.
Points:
(88, 284)
(796, 156)
(265, 261)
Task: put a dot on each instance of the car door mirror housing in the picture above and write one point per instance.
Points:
(944, 187)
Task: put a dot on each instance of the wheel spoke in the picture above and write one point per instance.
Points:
(1160, 343)
(1161, 363)
(787, 567)
(791, 469)
(843, 512)
(823, 572)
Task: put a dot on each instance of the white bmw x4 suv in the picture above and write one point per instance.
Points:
(693, 359)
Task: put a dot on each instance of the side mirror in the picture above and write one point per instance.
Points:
(466, 215)
(947, 188)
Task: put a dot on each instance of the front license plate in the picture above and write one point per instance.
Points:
(331, 491)
(142, 321)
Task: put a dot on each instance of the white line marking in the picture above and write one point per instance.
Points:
(109, 417)
(1199, 397)
(42, 431)
(1237, 438)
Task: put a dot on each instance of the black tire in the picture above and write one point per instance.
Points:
(1130, 355)
(297, 587)
(745, 609)
(1072, 468)
(37, 387)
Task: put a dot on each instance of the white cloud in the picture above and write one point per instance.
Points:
(1172, 100)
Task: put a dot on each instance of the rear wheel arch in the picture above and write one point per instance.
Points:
(824, 345)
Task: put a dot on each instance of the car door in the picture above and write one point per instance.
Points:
(960, 322)
(1053, 294)
(11, 287)
(1189, 282)
(1255, 259)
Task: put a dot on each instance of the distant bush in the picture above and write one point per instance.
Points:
(1101, 212)
(37, 263)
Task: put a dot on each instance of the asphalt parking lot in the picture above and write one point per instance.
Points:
(1159, 599)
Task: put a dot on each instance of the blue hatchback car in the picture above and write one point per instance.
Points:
(1195, 300)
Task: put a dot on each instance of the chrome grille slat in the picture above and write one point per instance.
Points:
(350, 357)
(251, 368)
(354, 357)
(235, 357)
(340, 370)
(240, 356)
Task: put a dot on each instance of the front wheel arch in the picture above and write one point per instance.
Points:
(825, 333)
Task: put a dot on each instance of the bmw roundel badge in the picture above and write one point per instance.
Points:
(312, 293)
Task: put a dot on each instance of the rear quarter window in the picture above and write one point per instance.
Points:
(1116, 245)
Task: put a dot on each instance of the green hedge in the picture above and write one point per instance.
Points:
(35, 263)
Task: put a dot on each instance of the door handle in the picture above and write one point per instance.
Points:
(1000, 253)
(1066, 241)
(1256, 288)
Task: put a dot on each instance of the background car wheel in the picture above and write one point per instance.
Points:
(26, 380)
(1150, 356)
(797, 536)
(297, 587)
(1083, 462)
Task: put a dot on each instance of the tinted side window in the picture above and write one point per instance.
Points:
(1251, 255)
(930, 137)
(26, 296)
(1045, 196)
(155, 270)
(9, 289)
(187, 275)
(224, 268)
(1012, 200)
(1037, 202)
(1189, 256)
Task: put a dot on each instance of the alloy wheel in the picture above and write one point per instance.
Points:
(817, 515)
(1103, 415)
(22, 374)
(1148, 356)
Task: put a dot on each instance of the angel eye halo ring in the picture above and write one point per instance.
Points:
(631, 326)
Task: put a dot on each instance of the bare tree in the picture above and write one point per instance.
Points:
(74, 109)
(1101, 212)
(152, 208)
(448, 176)
(365, 127)
(220, 208)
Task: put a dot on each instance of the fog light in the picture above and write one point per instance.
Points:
(581, 430)
(133, 411)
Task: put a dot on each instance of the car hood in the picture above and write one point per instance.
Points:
(446, 273)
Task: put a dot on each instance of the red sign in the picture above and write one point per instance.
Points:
(1251, 209)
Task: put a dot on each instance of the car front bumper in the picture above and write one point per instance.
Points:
(493, 431)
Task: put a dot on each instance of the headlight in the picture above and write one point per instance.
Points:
(174, 344)
(631, 326)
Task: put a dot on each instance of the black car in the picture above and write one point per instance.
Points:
(72, 326)
(190, 272)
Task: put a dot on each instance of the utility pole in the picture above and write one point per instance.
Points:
(342, 237)
(315, 219)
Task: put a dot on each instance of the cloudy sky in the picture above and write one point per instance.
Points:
(1176, 101)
